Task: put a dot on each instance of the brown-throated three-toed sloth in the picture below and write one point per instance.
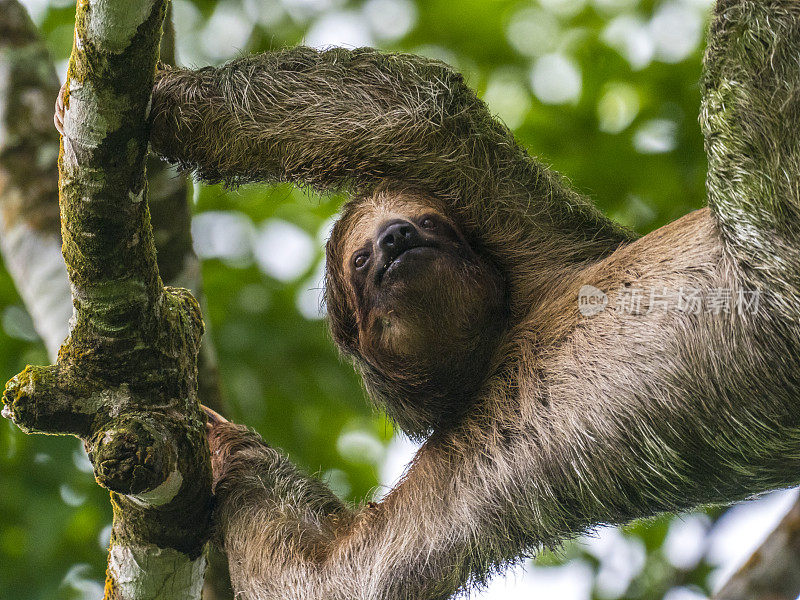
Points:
(454, 278)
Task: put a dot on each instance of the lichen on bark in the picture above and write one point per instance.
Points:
(126, 378)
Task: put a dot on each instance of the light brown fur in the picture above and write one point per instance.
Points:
(575, 420)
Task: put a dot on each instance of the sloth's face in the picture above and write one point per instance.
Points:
(425, 303)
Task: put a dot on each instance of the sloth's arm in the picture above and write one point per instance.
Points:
(355, 119)
(751, 123)
(501, 487)
(287, 536)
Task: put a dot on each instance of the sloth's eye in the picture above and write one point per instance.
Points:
(360, 260)
(427, 223)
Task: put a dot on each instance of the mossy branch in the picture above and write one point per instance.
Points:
(44, 400)
(126, 378)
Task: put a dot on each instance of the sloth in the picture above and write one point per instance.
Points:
(562, 372)
(420, 307)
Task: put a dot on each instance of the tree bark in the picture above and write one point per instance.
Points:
(126, 379)
(30, 230)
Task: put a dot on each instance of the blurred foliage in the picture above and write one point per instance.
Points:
(605, 91)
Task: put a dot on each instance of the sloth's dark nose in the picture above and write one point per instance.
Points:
(397, 237)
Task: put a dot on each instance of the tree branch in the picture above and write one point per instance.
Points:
(126, 379)
(30, 231)
(30, 237)
(773, 571)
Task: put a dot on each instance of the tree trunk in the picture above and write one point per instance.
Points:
(126, 379)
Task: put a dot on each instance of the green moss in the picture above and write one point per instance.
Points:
(126, 378)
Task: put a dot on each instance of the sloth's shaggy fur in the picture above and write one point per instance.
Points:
(579, 420)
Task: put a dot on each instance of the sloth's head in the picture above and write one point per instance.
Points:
(415, 303)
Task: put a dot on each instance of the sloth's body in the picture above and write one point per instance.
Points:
(454, 281)
(597, 419)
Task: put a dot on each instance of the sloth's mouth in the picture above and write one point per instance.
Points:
(402, 258)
